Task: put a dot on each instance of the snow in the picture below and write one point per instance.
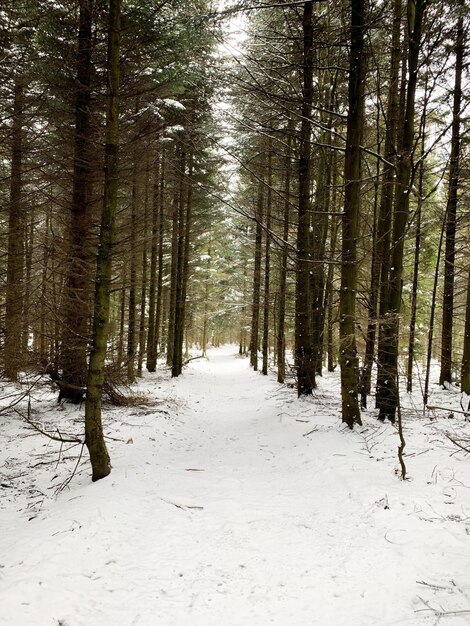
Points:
(231, 501)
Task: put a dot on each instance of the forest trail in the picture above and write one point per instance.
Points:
(229, 510)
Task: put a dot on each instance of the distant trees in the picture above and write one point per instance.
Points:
(391, 173)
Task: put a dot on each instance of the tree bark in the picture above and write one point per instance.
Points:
(267, 264)
(281, 333)
(451, 213)
(305, 359)
(151, 347)
(384, 225)
(143, 288)
(350, 224)
(389, 402)
(256, 281)
(77, 305)
(99, 457)
(15, 261)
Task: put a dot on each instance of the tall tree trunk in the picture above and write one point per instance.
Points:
(160, 306)
(254, 339)
(99, 457)
(132, 314)
(267, 264)
(402, 202)
(205, 325)
(305, 359)
(186, 207)
(451, 212)
(418, 215)
(151, 347)
(143, 288)
(281, 333)
(29, 248)
(350, 225)
(366, 371)
(77, 306)
(334, 228)
(384, 224)
(175, 259)
(432, 315)
(15, 261)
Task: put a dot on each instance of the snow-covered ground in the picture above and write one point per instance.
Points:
(231, 502)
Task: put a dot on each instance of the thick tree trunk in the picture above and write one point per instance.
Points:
(451, 214)
(77, 305)
(350, 225)
(15, 260)
(99, 457)
(305, 359)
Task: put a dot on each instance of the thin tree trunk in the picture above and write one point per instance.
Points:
(132, 315)
(384, 224)
(29, 247)
(151, 347)
(256, 281)
(143, 290)
(160, 306)
(267, 264)
(350, 225)
(15, 262)
(99, 457)
(178, 326)
(414, 289)
(175, 240)
(281, 333)
(366, 371)
(451, 213)
(205, 324)
(184, 266)
(432, 316)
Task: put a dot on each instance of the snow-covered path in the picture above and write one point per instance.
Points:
(234, 512)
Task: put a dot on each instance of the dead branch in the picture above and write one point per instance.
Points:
(459, 445)
(40, 430)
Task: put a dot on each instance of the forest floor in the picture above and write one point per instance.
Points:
(231, 502)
